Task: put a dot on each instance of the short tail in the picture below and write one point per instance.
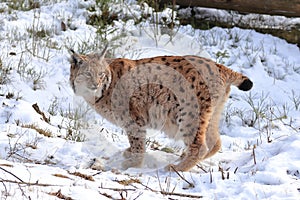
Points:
(236, 79)
(246, 84)
(240, 81)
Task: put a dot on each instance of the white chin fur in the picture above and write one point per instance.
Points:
(83, 91)
(92, 93)
(98, 92)
(87, 93)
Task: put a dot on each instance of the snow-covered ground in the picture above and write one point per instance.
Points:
(49, 137)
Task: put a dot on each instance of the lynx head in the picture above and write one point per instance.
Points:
(89, 74)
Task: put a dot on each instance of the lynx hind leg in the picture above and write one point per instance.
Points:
(196, 146)
(134, 155)
(213, 140)
(214, 149)
(213, 136)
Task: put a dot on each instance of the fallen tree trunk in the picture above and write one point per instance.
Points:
(289, 33)
(289, 8)
(205, 18)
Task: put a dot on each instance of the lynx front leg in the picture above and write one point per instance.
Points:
(135, 153)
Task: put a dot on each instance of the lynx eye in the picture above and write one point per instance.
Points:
(88, 74)
(101, 75)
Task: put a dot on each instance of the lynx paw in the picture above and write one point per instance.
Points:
(127, 153)
(177, 168)
(132, 159)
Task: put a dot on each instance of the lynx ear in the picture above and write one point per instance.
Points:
(101, 55)
(74, 56)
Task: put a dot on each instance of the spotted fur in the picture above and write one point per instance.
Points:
(181, 95)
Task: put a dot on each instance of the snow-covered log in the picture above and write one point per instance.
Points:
(289, 8)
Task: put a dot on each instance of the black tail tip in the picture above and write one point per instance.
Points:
(246, 85)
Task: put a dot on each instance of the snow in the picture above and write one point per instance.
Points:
(259, 130)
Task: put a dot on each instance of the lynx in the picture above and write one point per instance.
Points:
(182, 96)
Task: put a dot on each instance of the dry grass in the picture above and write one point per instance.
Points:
(44, 132)
(84, 176)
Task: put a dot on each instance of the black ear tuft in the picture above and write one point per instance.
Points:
(71, 51)
(246, 85)
(74, 59)
(74, 56)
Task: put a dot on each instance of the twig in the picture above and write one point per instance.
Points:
(5, 192)
(147, 187)
(200, 167)
(19, 183)
(158, 182)
(172, 193)
(191, 185)
(28, 183)
(222, 172)
(181, 194)
(152, 190)
(119, 189)
(156, 191)
(254, 156)
(210, 175)
(138, 196)
(236, 170)
(38, 110)
(12, 174)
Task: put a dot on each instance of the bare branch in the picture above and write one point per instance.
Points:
(28, 183)
(191, 185)
(12, 174)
